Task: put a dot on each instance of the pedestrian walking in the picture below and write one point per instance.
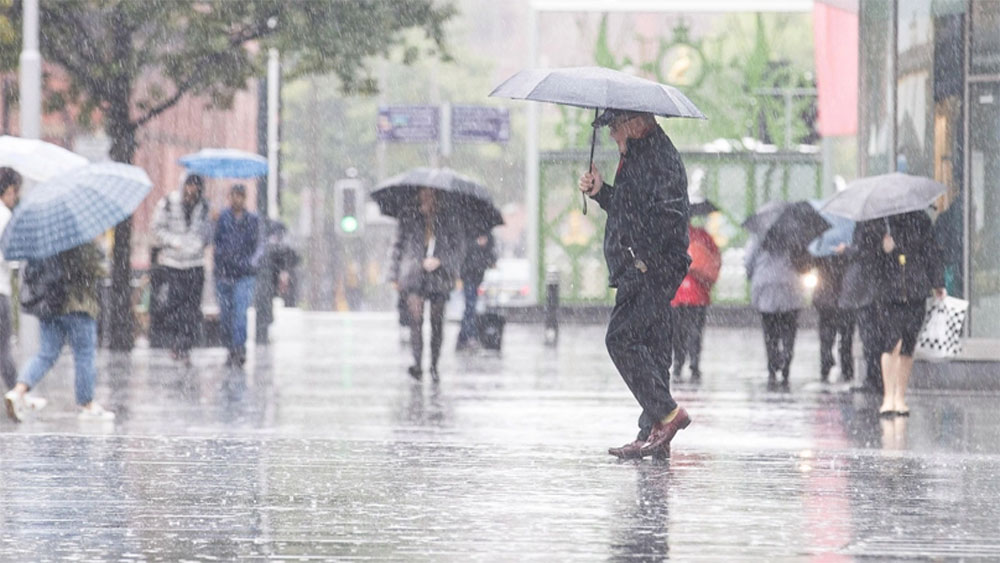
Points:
(691, 302)
(182, 230)
(776, 291)
(10, 191)
(866, 261)
(480, 255)
(237, 240)
(914, 270)
(834, 320)
(645, 246)
(64, 288)
(427, 257)
(277, 262)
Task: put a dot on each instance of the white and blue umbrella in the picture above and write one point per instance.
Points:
(225, 163)
(72, 209)
(840, 232)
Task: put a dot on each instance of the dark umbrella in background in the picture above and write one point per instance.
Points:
(786, 226)
(598, 88)
(458, 194)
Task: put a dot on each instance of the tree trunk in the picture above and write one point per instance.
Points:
(118, 320)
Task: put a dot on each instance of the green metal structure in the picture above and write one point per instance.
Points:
(570, 243)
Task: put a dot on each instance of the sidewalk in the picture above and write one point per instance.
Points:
(322, 448)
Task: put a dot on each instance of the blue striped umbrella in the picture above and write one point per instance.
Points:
(225, 163)
(72, 209)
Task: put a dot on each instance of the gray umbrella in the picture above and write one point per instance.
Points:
(875, 197)
(598, 88)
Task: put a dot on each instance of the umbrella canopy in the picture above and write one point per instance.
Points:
(461, 194)
(880, 196)
(705, 207)
(225, 163)
(597, 87)
(37, 160)
(72, 209)
(842, 232)
(786, 226)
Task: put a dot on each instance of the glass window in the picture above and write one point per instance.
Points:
(877, 49)
(914, 82)
(985, 37)
(984, 202)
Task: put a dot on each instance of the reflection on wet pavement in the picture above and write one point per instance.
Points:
(323, 448)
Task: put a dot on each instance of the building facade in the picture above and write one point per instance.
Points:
(929, 79)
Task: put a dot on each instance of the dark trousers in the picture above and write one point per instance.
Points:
(689, 327)
(779, 341)
(415, 303)
(834, 322)
(871, 340)
(639, 342)
(183, 310)
(470, 290)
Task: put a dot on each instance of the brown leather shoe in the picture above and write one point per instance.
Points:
(632, 450)
(659, 439)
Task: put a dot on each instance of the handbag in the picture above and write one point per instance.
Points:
(940, 337)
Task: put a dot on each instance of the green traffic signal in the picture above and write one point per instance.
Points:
(349, 224)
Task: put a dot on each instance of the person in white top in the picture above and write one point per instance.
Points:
(10, 191)
(183, 228)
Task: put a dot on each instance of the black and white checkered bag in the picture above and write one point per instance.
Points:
(941, 336)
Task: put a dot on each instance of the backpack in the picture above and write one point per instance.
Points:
(43, 288)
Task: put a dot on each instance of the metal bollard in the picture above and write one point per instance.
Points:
(552, 308)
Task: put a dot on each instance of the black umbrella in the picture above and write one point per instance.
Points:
(705, 207)
(598, 88)
(786, 226)
(458, 194)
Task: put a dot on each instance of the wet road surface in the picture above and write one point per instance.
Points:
(322, 448)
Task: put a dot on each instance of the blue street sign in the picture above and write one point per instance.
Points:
(478, 123)
(407, 124)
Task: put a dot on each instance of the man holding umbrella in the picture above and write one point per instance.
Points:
(645, 245)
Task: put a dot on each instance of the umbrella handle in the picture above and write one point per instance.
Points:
(593, 141)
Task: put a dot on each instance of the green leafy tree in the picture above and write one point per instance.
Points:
(128, 61)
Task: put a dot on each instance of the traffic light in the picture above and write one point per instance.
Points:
(349, 206)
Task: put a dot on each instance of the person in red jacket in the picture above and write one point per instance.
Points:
(692, 300)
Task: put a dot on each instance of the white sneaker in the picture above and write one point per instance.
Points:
(95, 412)
(14, 402)
(35, 403)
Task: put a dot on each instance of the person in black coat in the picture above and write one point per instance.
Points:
(645, 246)
(833, 319)
(857, 294)
(913, 269)
(480, 255)
(427, 257)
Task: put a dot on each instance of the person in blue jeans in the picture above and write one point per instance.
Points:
(75, 322)
(237, 238)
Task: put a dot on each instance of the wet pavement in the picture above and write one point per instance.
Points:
(322, 448)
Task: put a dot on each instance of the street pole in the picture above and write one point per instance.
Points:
(30, 90)
(533, 194)
(31, 75)
(444, 134)
(273, 89)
